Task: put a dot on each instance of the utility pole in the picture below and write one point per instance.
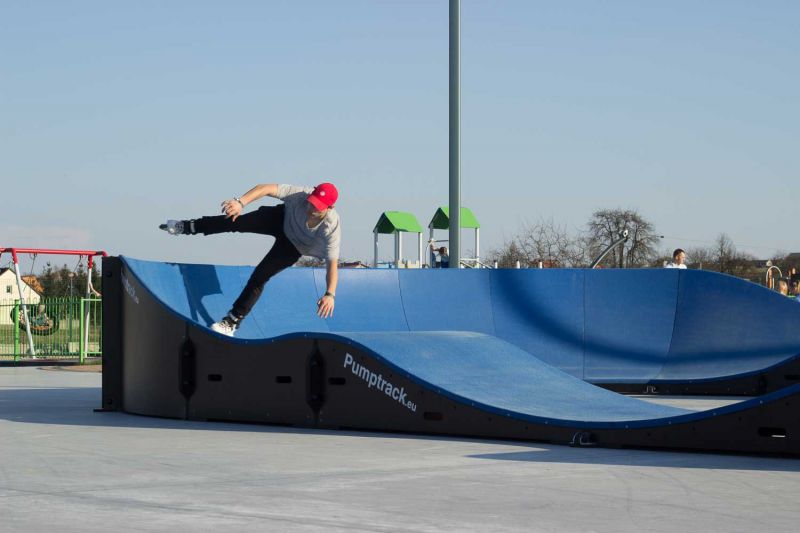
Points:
(455, 134)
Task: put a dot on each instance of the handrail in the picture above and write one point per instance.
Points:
(769, 277)
(466, 262)
(623, 237)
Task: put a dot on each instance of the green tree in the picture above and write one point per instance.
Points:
(59, 282)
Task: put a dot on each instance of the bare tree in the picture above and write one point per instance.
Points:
(700, 256)
(547, 242)
(508, 255)
(727, 259)
(724, 253)
(605, 226)
(782, 260)
(744, 265)
(660, 260)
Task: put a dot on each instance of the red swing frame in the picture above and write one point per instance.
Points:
(90, 254)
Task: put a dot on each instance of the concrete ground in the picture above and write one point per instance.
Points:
(66, 468)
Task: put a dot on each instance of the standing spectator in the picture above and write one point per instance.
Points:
(792, 275)
(794, 288)
(678, 259)
(444, 257)
(783, 287)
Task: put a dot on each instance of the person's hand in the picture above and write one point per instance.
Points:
(232, 209)
(325, 306)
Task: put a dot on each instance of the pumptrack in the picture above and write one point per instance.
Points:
(487, 353)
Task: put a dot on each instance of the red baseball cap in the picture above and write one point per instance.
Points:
(323, 196)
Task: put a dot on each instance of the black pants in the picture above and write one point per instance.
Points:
(266, 221)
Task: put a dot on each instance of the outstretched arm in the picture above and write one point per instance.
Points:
(326, 304)
(233, 208)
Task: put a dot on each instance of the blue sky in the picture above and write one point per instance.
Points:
(117, 115)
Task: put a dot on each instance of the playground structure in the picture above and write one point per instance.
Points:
(441, 221)
(396, 223)
(38, 322)
(518, 357)
(399, 222)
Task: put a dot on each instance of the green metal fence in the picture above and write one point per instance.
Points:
(58, 327)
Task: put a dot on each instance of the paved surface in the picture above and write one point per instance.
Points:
(65, 468)
(693, 403)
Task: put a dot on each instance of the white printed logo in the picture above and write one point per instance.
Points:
(129, 289)
(377, 381)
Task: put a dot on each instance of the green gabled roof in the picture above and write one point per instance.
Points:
(393, 221)
(441, 219)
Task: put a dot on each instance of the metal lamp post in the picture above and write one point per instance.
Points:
(455, 134)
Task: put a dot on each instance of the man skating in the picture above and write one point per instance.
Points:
(305, 224)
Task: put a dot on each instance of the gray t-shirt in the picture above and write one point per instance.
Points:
(321, 241)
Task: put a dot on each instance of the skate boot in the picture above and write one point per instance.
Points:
(226, 326)
(178, 227)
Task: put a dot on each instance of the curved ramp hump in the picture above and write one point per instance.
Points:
(164, 361)
(479, 369)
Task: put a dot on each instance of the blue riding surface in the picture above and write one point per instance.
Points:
(494, 354)
(595, 325)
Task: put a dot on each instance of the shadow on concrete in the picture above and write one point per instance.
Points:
(646, 458)
(75, 406)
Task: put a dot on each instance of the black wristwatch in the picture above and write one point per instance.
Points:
(329, 293)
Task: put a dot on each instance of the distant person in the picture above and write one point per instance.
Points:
(678, 259)
(305, 224)
(782, 287)
(39, 319)
(793, 276)
(444, 257)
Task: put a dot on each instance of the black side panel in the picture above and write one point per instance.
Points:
(153, 341)
(251, 383)
(112, 334)
(772, 428)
